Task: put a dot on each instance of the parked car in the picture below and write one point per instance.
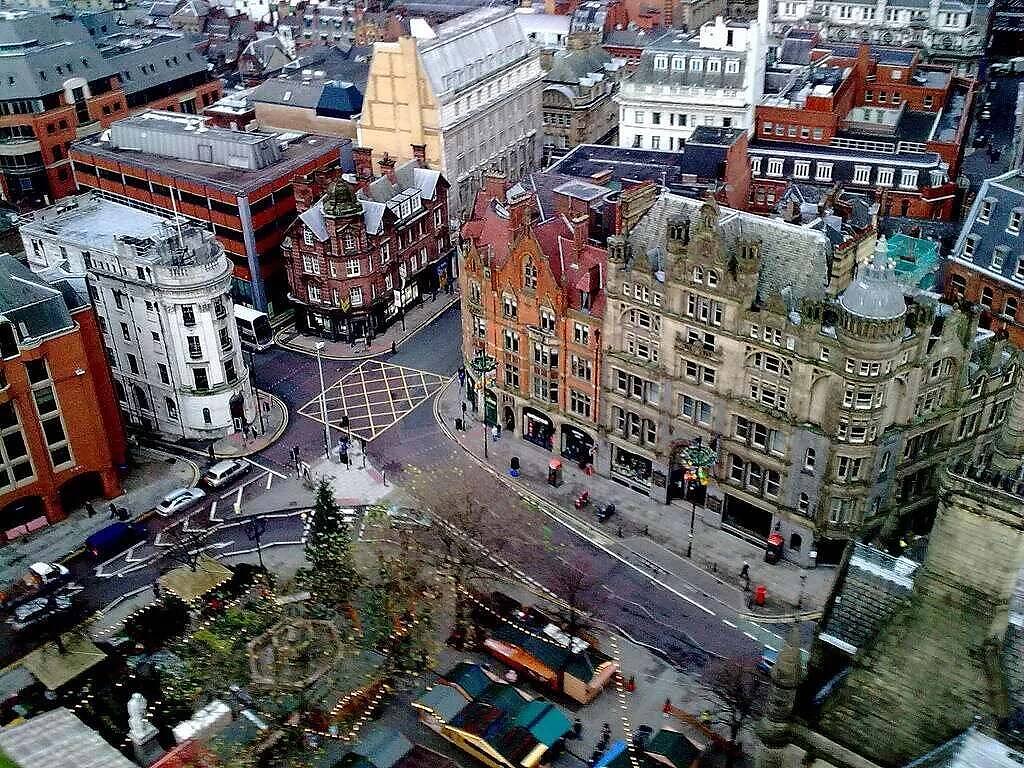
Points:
(40, 610)
(39, 580)
(115, 538)
(223, 472)
(179, 499)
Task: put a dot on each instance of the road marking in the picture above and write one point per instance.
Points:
(270, 479)
(752, 637)
(238, 500)
(728, 623)
(267, 469)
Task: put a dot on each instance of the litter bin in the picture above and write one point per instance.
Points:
(555, 472)
(513, 466)
(760, 594)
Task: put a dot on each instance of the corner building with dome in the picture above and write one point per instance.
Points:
(830, 416)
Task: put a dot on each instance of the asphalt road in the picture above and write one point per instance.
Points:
(679, 628)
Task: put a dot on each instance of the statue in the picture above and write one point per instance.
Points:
(142, 732)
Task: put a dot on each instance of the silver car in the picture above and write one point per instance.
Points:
(223, 472)
(179, 499)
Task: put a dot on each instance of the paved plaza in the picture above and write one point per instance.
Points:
(375, 396)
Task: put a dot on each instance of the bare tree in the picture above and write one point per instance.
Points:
(575, 584)
(472, 520)
(738, 686)
(185, 548)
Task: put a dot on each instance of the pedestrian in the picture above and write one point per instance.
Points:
(213, 454)
(498, 427)
(122, 514)
(646, 532)
(620, 531)
(394, 348)
(90, 510)
(494, 433)
(745, 575)
(577, 728)
(463, 407)
(113, 512)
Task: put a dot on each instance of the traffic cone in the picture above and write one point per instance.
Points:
(667, 709)
(631, 684)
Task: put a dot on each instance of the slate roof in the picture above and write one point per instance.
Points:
(1006, 194)
(632, 38)
(29, 302)
(58, 738)
(673, 169)
(40, 52)
(571, 66)
(791, 256)
(874, 586)
(875, 293)
(679, 44)
(473, 47)
(151, 58)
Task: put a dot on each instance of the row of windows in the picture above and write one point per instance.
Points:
(696, 64)
(801, 170)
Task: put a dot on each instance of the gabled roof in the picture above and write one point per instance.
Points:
(673, 747)
(383, 747)
(469, 677)
(544, 721)
(443, 700)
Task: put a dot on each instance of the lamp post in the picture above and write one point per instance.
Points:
(256, 392)
(698, 460)
(255, 526)
(323, 397)
(484, 364)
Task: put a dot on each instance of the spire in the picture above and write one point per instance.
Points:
(341, 201)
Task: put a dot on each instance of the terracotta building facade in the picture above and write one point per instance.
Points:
(61, 438)
(533, 299)
(364, 250)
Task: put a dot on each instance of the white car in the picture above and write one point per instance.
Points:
(223, 472)
(177, 500)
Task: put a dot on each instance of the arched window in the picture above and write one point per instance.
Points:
(796, 541)
(698, 274)
(712, 278)
(530, 276)
(206, 416)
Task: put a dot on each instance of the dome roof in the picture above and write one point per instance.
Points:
(874, 293)
(341, 200)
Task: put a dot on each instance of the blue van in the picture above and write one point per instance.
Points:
(115, 538)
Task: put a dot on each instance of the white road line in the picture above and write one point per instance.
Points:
(728, 623)
(267, 469)
(752, 637)
(270, 479)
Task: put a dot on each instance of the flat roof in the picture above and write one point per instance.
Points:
(627, 164)
(93, 221)
(295, 154)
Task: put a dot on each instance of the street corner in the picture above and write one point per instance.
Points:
(267, 428)
(372, 398)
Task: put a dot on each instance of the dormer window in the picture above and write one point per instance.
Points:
(970, 243)
(988, 205)
(661, 62)
(678, 63)
(999, 254)
(1013, 225)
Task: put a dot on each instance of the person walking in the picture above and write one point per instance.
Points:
(90, 510)
(745, 575)
(113, 511)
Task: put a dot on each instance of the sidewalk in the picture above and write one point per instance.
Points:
(151, 477)
(655, 532)
(270, 427)
(416, 319)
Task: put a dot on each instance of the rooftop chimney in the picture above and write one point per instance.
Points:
(387, 167)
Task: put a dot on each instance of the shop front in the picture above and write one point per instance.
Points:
(632, 469)
(748, 517)
(438, 275)
(538, 428)
(577, 445)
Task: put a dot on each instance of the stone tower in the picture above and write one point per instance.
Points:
(935, 665)
(773, 730)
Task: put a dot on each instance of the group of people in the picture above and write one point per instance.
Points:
(116, 513)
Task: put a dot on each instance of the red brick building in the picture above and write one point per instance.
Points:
(64, 84)
(364, 251)
(871, 119)
(533, 302)
(239, 183)
(61, 438)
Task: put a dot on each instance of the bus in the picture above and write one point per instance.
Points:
(254, 329)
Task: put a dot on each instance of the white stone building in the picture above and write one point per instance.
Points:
(468, 93)
(949, 32)
(162, 296)
(713, 78)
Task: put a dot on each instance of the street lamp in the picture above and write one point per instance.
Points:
(698, 460)
(323, 397)
(256, 392)
(484, 364)
(254, 527)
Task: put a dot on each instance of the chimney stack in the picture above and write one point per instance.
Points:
(520, 214)
(387, 167)
(362, 158)
(419, 154)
